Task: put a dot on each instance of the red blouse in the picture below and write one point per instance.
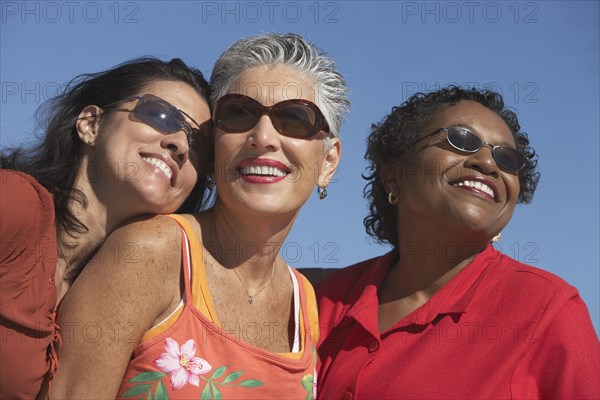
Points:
(499, 329)
(27, 290)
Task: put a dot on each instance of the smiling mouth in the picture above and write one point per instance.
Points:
(263, 170)
(477, 185)
(161, 165)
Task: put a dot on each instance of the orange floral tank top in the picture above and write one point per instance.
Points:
(189, 356)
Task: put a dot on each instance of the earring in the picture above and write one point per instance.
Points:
(90, 142)
(210, 182)
(322, 192)
(497, 237)
(392, 199)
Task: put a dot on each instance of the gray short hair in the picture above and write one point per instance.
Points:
(269, 49)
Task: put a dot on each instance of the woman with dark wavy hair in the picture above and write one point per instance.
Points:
(444, 314)
(115, 144)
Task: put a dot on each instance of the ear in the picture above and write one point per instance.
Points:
(88, 123)
(389, 175)
(331, 162)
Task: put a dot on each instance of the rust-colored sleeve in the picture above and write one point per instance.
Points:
(27, 290)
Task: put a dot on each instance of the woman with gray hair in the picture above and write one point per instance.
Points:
(208, 309)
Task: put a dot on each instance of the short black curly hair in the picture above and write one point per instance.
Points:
(391, 140)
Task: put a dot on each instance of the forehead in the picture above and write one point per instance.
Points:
(272, 84)
(488, 125)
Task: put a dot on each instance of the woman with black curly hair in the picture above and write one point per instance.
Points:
(444, 314)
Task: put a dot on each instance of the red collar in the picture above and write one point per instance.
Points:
(453, 298)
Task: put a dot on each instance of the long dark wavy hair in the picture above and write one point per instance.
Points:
(392, 139)
(55, 158)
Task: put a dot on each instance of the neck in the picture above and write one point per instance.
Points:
(249, 244)
(94, 214)
(428, 258)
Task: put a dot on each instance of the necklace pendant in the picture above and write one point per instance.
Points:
(250, 299)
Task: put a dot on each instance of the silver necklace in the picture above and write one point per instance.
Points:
(251, 297)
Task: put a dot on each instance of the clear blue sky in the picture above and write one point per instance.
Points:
(542, 55)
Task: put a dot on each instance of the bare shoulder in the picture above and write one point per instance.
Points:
(196, 221)
(155, 234)
(143, 248)
(138, 265)
(133, 280)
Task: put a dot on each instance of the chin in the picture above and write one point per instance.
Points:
(151, 207)
(270, 210)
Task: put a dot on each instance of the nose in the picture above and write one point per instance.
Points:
(263, 135)
(178, 145)
(483, 161)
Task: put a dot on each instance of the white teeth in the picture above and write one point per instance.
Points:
(477, 185)
(160, 164)
(263, 170)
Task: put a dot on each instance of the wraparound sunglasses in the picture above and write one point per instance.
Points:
(462, 139)
(162, 116)
(295, 118)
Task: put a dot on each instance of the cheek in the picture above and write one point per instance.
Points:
(226, 146)
(308, 173)
(449, 164)
(514, 189)
(117, 127)
(426, 171)
(190, 177)
(307, 155)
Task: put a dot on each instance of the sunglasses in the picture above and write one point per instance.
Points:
(162, 116)
(296, 118)
(462, 139)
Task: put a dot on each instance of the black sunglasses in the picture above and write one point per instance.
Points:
(462, 139)
(296, 118)
(162, 116)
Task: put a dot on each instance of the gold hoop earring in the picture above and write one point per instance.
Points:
(392, 199)
(497, 237)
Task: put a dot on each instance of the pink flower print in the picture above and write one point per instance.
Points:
(182, 363)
